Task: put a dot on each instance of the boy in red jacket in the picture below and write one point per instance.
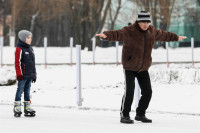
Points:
(25, 71)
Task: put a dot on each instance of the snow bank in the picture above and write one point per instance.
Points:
(103, 88)
(7, 76)
(182, 75)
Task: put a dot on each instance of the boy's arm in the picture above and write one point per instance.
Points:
(114, 35)
(18, 56)
(35, 76)
(35, 67)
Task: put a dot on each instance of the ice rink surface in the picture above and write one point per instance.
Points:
(56, 120)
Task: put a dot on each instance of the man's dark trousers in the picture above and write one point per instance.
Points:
(146, 92)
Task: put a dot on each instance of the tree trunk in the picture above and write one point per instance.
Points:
(113, 20)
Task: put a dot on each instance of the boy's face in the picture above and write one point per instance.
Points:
(144, 25)
(29, 40)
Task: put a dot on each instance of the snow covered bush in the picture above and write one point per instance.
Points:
(7, 77)
(175, 75)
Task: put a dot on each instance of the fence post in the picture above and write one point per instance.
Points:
(136, 93)
(93, 48)
(45, 52)
(78, 75)
(1, 51)
(71, 50)
(12, 41)
(192, 46)
(167, 54)
(117, 61)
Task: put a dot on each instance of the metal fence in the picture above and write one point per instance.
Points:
(193, 56)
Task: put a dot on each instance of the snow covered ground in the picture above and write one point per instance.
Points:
(174, 106)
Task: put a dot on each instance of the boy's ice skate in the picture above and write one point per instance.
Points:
(28, 111)
(17, 109)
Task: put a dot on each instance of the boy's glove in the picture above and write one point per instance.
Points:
(20, 77)
(34, 80)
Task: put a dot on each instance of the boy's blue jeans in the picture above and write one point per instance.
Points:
(23, 86)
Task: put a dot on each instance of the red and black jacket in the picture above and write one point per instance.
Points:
(25, 61)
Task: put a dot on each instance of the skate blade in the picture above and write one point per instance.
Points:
(17, 114)
(29, 115)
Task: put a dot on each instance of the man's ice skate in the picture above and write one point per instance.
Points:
(17, 109)
(28, 111)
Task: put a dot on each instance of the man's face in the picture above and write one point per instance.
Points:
(144, 25)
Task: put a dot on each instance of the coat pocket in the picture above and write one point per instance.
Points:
(131, 62)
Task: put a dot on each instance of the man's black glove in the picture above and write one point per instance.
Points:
(34, 80)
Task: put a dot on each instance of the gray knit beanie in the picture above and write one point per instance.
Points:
(23, 34)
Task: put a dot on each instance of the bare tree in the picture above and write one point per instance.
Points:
(60, 19)
(166, 8)
(88, 18)
(198, 2)
(43, 18)
(4, 12)
(100, 21)
(114, 13)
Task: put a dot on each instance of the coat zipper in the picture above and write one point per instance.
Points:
(143, 53)
(24, 69)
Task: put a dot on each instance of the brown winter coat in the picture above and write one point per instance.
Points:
(138, 44)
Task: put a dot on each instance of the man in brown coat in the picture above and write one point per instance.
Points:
(138, 40)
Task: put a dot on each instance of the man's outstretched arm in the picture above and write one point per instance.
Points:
(168, 36)
(114, 35)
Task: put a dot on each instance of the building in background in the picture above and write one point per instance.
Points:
(185, 21)
(188, 24)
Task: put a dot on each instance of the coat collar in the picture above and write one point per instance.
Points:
(138, 27)
(23, 44)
